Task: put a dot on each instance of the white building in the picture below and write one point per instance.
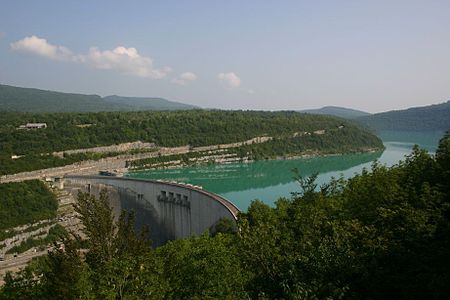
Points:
(33, 126)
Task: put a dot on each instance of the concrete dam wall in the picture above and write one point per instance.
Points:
(171, 210)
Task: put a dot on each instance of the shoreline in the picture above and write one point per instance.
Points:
(120, 164)
(249, 161)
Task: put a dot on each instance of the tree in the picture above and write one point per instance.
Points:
(67, 275)
(98, 225)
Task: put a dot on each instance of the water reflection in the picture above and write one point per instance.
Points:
(261, 174)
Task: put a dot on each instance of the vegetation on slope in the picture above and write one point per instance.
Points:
(334, 141)
(25, 202)
(195, 128)
(34, 100)
(41, 161)
(427, 118)
(55, 234)
(342, 112)
(147, 103)
(383, 234)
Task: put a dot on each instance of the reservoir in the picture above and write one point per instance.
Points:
(271, 179)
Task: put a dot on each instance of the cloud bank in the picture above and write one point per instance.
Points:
(185, 78)
(229, 80)
(124, 60)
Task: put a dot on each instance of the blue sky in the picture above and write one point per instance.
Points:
(369, 55)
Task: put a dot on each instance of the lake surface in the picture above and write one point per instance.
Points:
(269, 180)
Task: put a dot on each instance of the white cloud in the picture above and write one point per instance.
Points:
(250, 91)
(41, 47)
(124, 60)
(230, 80)
(184, 78)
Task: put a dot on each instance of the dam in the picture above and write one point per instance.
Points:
(171, 210)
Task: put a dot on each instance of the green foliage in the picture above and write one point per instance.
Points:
(224, 225)
(24, 285)
(66, 277)
(25, 202)
(427, 118)
(6, 234)
(203, 268)
(99, 227)
(195, 128)
(35, 100)
(383, 234)
(145, 103)
(443, 160)
(345, 140)
(342, 112)
(55, 233)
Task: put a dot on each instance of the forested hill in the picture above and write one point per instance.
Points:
(65, 131)
(432, 118)
(145, 103)
(20, 99)
(196, 128)
(337, 111)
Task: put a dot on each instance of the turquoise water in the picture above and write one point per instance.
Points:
(269, 180)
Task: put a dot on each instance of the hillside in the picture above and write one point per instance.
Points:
(34, 100)
(341, 112)
(292, 132)
(145, 103)
(425, 118)
(18, 99)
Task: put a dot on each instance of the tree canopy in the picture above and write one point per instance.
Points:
(25, 202)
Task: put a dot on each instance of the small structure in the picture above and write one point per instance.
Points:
(84, 125)
(55, 182)
(319, 132)
(33, 126)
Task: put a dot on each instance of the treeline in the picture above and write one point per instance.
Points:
(383, 234)
(336, 141)
(25, 202)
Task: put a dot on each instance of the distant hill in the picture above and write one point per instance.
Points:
(427, 118)
(34, 100)
(342, 112)
(143, 103)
